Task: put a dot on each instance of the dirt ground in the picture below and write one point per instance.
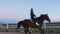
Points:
(23, 33)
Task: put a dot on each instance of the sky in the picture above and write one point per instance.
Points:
(17, 10)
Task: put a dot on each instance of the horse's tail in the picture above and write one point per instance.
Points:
(18, 24)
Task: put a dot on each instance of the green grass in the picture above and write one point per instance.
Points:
(56, 29)
(49, 29)
(33, 29)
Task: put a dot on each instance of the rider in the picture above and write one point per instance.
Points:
(33, 17)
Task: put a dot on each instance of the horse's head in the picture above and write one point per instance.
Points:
(45, 17)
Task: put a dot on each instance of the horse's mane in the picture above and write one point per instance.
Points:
(41, 16)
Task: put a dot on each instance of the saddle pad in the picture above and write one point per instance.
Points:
(31, 21)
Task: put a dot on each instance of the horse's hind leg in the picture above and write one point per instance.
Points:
(28, 30)
(25, 30)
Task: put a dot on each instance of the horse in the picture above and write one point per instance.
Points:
(27, 24)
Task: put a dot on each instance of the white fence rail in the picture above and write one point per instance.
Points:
(14, 26)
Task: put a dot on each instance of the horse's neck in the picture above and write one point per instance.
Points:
(41, 22)
(41, 19)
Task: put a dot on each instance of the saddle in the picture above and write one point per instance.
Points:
(34, 22)
(31, 21)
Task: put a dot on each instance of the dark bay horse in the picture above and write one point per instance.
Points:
(26, 23)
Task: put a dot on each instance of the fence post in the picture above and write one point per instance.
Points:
(7, 26)
(45, 26)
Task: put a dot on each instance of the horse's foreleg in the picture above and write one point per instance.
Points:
(42, 32)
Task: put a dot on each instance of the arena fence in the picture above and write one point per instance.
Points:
(45, 26)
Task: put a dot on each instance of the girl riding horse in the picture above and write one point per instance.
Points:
(27, 24)
(33, 17)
